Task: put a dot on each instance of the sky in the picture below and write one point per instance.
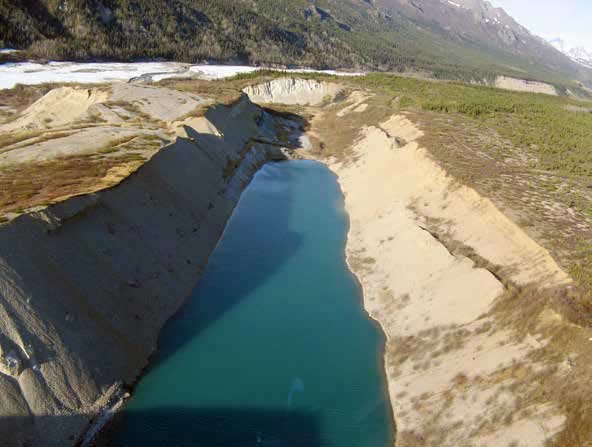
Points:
(569, 19)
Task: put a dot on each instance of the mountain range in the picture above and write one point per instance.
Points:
(453, 39)
(580, 54)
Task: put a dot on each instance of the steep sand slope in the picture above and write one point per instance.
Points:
(74, 121)
(86, 284)
(79, 140)
(448, 362)
(58, 107)
(293, 91)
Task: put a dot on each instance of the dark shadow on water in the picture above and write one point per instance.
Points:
(176, 427)
(256, 252)
(218, 427)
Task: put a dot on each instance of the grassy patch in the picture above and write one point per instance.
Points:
(114, 145)
(225, 92)
(195, 113)
(528, 152)
(35, 136)
(336, 135)
(563, 316)
(28, 185)
(559, 138)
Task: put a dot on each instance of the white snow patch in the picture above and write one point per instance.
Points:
(577, 54)
(221, 71)
(31, 73)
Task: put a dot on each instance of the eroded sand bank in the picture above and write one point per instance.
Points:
(86, 283)
(449, 362)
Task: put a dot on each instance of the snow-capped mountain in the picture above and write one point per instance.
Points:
(578, 54)
(479, 24)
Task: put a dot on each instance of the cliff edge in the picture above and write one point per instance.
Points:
(87, 282)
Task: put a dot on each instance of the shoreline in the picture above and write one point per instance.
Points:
(358, 280)
(379, 325)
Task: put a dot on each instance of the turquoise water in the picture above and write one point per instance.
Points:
(273, 348)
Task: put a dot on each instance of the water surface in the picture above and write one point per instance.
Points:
(273, 348)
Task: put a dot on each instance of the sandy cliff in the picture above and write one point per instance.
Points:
(87, 283)
(293, 91)
(450, 360)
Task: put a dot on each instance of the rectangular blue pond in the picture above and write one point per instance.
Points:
(274, 347)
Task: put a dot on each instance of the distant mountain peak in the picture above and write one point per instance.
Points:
(558, 43)
(471, 20)
(578, 54)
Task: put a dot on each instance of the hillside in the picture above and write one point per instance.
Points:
(467, 40)
(476, 24)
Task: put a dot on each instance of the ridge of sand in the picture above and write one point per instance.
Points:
(160, 103)
(522, 85)
(58, 107)
(447, 361)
